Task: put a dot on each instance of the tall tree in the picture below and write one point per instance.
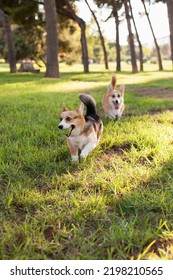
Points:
(169, 4)
(116, 5)
(138, 39)
(154, 37)
(66, 8)
(101, 36)
(9, 40)
(131, 38)
(52, 67)
(28, 28)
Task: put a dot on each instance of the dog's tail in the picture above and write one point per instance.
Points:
(114, 81)
(89, 102)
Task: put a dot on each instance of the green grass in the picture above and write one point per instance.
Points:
(118, 203)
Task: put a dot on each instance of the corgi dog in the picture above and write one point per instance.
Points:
(85, 130)
(113, 100)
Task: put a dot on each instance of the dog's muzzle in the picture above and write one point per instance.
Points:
(72, 127)
(60, 126)
(116, 104)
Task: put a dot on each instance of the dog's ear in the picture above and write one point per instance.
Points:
(122, 89)
(64, 108)
(110, 88)
(80, 109)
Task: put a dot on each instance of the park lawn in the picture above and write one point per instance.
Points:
(116, 204)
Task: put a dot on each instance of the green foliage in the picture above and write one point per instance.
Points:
(29, 33)
(22, 12)
(69, 41)
(113, 205)
(30, 43)
(108, 3)
(27, 26)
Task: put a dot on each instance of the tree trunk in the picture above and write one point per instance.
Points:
(101, 36)
(83, 40)
(137, 36)
(155, 41)
(131, 39)
(52, 67)
(10, 46)
(70, 13)
(118, 49)
(170, 16)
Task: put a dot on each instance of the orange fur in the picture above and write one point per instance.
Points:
(85, 132)
(114, 81)
(113, 100)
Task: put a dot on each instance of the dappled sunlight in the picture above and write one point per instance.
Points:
(78, 185)
(33, 84)
(74, 87)
(109, 205)
(26, 88)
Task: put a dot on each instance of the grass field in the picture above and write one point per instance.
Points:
(116, 204)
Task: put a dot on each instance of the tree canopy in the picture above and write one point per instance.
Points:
(28, 25)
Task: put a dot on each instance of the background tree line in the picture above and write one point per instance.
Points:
(51, 31)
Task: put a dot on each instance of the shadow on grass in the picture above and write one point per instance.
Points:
(7, 78)
(129, 226)
(115, 227)
(92, 76)
(122, 227)
(150, 205)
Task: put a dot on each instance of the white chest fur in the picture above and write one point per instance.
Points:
(78, 141)
(83, 143)
(113, 114)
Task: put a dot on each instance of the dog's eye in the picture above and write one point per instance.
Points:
(60, 119)
(68, 119)
(113, 95)
(119, 95)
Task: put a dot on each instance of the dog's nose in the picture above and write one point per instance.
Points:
(116, 101)
(60, 126)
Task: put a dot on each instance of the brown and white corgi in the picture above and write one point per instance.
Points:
(85, 130)
(113, 100)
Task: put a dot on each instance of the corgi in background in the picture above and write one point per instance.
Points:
(85, 130)
(113, 100)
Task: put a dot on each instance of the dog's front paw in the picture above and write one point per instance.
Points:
(83, 154)
(74, 158)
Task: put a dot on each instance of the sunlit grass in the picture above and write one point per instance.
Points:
(117, 204)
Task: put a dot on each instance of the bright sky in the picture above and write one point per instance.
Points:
(157, 13)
